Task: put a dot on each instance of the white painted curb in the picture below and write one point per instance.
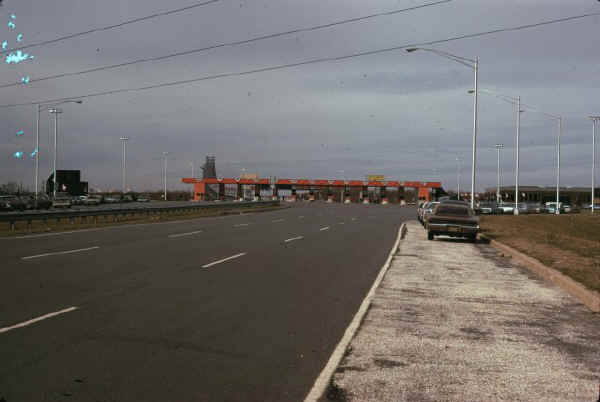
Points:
(322, 381)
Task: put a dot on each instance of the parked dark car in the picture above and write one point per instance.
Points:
(451, 219)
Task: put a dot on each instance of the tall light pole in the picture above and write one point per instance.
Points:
(55, 111)
(516, 210)
(123, 163)
(165, 174)
(595, 120)
(458, 170)
(474, 64)
(41, 108)
(560, 125)
(498, 148)
(517, 102)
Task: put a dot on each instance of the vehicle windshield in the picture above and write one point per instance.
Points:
(452, 210)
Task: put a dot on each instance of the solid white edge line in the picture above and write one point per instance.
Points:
(59, 253)
(325, 228)
(240, 225)
(34, 320)
(277, 220)
(185, 234)
(322, 381)
(223, 260)
(294, 238)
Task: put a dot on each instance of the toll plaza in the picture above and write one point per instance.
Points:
(347, 191)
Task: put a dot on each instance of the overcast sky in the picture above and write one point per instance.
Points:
(407, 116)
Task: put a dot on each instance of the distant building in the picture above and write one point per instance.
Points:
(67, 181)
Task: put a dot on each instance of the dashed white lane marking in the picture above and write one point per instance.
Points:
(223, 260)
(294, 238)
(240, 225)
(278, 220)
(301, 217)
(34, 320)
(185, 234)
(325, 228)
(353, 219)
(341, 223)
(59, 253)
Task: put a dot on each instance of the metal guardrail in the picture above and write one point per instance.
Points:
(29, 217)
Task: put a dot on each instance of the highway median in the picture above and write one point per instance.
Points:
(18, 225)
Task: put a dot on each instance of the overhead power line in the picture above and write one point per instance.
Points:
(301, 63)
(227, 44)
(109, 27)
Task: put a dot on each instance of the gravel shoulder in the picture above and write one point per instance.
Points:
(454, 321)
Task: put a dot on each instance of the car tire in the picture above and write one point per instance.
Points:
(429, 236)
(473, 238)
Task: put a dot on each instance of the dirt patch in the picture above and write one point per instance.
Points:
(386, 363)
(567, 243)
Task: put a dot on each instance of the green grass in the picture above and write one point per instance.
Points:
(569, 243)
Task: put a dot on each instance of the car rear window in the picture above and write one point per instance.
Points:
(454, 210)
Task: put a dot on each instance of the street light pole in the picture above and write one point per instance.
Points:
(595, 120)
(165, 175)
(52, 109)
(560, 125)
(498, 148)
(474, 64)
(37, 152)
(123, 163)
(458, 169)
(474, 134)
(516, 210)
(55, 112)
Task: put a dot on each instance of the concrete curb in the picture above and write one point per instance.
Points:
(589, 298)
(322, 382)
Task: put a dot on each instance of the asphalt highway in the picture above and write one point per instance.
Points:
(236, 308)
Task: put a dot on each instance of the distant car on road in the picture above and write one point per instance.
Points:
(453, 220)
(62, 200)
(144, 198)
(92, 200)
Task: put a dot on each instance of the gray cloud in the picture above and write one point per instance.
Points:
(406, 116)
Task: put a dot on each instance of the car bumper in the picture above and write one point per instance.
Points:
(451, 229)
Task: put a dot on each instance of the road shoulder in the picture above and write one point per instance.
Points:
(454, 321)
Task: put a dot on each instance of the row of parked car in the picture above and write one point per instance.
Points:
(526, 208)
(62, 200)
